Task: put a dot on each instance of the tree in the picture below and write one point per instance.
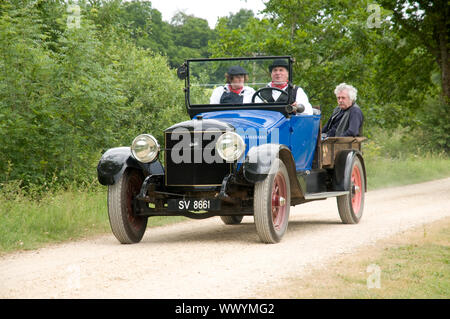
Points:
(333, 42)
(190, 37)
(61, 104)
(328, 39)
(426, 22)
(239, 19)
(185, 37)
(138, 20)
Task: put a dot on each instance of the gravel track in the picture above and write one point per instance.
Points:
(207, 259)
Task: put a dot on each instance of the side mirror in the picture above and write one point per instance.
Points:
(182, 71)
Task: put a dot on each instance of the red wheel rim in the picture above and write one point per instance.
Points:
(279, 195)
(356, 189)
(134, 186)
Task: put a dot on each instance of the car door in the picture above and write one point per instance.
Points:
(303, 138)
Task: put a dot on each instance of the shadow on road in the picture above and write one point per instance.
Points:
(241, 233)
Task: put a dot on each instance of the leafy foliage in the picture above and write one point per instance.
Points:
(186, 35)
(68, 91)
(67, 95)
(426, 24)
(351, 41)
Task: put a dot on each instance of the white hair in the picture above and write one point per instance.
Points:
(351, 91)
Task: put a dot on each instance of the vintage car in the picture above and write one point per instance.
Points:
(231, 160)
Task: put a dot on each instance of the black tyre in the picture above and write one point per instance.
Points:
(125, 225)
(272, 198)
(231, 220)
(351, 206)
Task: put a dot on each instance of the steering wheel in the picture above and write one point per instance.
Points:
(258, 93)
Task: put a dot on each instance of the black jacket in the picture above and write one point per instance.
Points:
(345, 122)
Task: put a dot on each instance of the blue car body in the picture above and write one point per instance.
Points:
(298, 132)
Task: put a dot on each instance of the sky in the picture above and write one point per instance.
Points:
(206, 9)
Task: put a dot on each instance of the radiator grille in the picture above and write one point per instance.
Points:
(191, 159)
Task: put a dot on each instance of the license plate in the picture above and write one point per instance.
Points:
(193, 204)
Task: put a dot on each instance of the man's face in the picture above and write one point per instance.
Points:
(280, 75)
(344, 100)
(237, 81)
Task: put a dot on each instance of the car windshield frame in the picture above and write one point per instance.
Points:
(194, 109)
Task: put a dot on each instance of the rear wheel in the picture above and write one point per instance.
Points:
(125, 224)
(272, 199)
(351, 206)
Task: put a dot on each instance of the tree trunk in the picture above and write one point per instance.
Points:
(445, 67)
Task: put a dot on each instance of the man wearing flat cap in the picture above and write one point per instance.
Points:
(279, 71)
(234, 92)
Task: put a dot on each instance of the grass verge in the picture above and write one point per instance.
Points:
(398, 157)
(390, 172)
(413, 264)
(29, 224)
(65, 215)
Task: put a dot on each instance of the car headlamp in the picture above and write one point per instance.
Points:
(145, 148)
(230, 146)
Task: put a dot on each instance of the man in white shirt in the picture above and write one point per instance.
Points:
(234, 92)
(279, 71)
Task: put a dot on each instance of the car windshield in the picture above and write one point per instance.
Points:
(234, 82)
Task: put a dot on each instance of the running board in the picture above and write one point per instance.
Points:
(325, 195)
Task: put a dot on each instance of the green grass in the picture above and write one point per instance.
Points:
(398, 157)
(418, 269)
(410, 265)
(389, 172)
(65, 215)
(27, 224)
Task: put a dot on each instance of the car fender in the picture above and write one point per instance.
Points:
(114, 162)
(258, 164)
(259, 160)
(342, 169)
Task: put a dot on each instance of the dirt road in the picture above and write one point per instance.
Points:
(207, 259)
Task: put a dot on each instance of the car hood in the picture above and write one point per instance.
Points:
(245, 119)
(240, 120)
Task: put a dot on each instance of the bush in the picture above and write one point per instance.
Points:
(399, 157)
(435, 124)
(392, 143)
(66, 94)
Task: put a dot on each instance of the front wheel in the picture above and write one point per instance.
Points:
(271, 203)
(125, 224)
(351, 206)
